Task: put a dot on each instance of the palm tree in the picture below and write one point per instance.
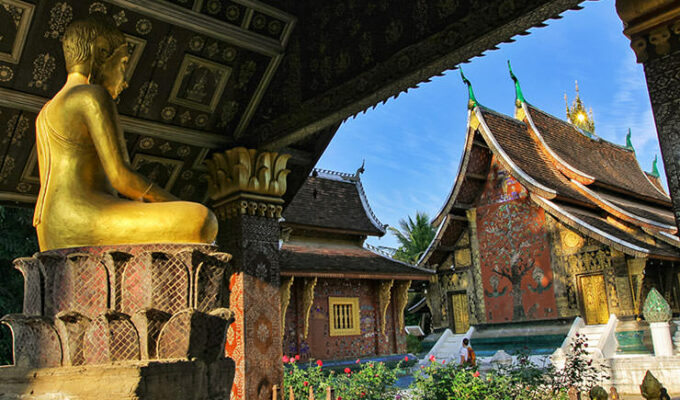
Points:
(415, 236)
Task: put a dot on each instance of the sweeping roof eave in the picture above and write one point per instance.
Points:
(591, 226)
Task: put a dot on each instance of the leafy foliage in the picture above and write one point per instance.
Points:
(413, 344)
(440, 381)
(415, 236)
(579, 371)
(369, 381)
(18, 239)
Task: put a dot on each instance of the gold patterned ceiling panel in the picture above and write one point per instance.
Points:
(214, 74)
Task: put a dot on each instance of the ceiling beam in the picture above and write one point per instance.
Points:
(32, 103)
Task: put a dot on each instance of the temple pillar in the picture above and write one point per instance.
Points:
(654, 30)
(246, 190)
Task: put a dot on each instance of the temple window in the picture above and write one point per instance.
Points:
(344, 316)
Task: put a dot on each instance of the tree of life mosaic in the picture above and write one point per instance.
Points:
(514, 253)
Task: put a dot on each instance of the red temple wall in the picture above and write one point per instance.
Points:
(319, 344)
(514, 252)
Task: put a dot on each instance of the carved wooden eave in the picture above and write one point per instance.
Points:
(307, 300)
(284, 294)
(384, 296)
(413, 65)
(401, 300)
(560, 164)
(620, 213)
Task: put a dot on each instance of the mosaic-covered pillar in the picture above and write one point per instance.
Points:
(246, 190)
(653, 28)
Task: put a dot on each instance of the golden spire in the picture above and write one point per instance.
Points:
(577, 115)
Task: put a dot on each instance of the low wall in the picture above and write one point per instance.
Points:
(628, 372)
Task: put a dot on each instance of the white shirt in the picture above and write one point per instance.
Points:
(463, 353)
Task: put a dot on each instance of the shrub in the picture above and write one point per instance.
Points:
(580, 370)
(369, 381)
(452, 381)
(413, 344)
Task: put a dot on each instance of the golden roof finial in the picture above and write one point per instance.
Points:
(577, 114)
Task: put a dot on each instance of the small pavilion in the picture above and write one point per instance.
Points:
(341, 298)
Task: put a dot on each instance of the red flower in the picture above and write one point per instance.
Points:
(297, 357)
(285, 359)
(405, 358)
(339, 398)
(422, 367)
(348, 371)
(443, 362)
(432, 358)
(319, 363)
(305, 383)
(357, 361)
(585, 345)
(363, 394)
(476, 374)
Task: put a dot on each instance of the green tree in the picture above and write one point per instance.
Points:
(415, 236)
(18, 239)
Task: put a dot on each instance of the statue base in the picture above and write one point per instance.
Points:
(141, 321)
(150, 380)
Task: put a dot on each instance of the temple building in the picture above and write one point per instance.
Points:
(341, 299)
(546, 222)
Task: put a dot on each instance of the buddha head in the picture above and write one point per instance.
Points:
(94, 47)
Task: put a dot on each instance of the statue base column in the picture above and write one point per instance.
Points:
(121, 322)
(246, 191)
(661, 339)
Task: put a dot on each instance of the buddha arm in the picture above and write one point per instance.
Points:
(101, 119)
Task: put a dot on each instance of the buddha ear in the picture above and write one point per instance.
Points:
(100, 50)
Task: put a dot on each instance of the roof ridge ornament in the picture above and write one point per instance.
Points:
(360, 170)
(472, 101)
(629, 142)
(655, 169)
(519, 96)
(577, 115)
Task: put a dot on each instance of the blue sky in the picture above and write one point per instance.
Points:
(412, 145)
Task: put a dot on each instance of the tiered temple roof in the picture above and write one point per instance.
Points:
(588, 183)
(327, 223)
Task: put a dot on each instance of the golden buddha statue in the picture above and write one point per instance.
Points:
(84, 163)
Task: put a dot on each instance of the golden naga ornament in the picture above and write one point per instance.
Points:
(84, 163)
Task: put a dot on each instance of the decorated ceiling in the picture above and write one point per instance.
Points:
(207, 75)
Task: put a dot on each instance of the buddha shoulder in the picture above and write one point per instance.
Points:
(89, 97)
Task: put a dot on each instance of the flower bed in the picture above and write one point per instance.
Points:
(442, 381)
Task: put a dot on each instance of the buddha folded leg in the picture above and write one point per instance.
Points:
(128, 222)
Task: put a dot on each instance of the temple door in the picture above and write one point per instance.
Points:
(459, 311)
(594, 299)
